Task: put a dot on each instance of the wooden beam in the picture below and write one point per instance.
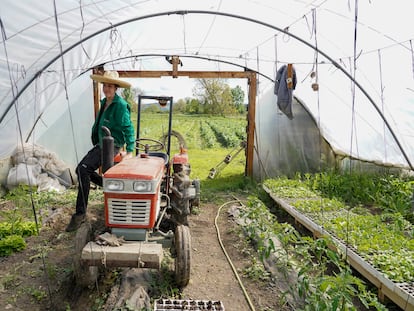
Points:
(190, 74)
(129, 254)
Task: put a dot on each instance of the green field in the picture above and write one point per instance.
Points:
(208, 140)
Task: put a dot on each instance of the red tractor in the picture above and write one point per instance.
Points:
(147, 201)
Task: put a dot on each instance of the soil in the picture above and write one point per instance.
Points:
(41, 276)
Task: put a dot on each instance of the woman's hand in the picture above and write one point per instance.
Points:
(127, 155)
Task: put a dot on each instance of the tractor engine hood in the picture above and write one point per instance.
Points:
(142, 167)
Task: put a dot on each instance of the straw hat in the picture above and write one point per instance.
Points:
(111, 77)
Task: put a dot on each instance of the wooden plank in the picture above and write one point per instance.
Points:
(184, 73)
(129, 254)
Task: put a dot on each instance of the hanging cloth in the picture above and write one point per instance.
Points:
(285, 83)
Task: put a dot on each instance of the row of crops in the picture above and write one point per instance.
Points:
(200, 132)
(370, 213)
(311, 275)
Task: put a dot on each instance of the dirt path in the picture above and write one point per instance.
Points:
(211, 275)
(24, 284)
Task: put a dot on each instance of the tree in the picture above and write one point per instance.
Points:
(215, 96)
(238, 98)
(193, 106)
(180, 105)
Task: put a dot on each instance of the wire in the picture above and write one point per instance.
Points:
(184, 34)
(382, 103)
(246, 295)
(315, 69)
(412, 56)
(209, 29)
(82, 28)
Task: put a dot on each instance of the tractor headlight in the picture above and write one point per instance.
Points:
(114, 185)
(142, 186)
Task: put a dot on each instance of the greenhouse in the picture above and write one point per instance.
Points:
(329, 87)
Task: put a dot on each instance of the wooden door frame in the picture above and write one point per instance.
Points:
(252, 92)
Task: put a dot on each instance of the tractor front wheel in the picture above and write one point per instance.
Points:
(84, 275)
(182, 243)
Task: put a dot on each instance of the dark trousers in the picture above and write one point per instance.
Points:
(86, 171)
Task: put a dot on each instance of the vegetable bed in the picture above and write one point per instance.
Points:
(375, 224)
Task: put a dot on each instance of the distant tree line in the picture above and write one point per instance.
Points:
(211, 96)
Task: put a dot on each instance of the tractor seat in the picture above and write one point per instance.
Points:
(160, 155)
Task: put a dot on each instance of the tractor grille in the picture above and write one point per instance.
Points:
(129, 212)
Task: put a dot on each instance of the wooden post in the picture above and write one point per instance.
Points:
(96, 92)
(251, 123)
(175, 62)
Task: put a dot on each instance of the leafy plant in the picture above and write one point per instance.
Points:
(256, 271)
(37, 293)
(23, 229)
(324, 280)
(10, 244)
(384, 240)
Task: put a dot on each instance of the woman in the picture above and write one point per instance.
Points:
(114, 114)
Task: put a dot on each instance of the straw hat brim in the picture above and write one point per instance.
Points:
(103, 79)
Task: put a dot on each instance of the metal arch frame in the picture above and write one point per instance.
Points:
(185, 12)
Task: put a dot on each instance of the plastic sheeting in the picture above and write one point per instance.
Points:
(49, 47)
(35, 166)
(296, 145)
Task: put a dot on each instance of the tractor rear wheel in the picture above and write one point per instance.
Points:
(182, 243)
(84, 275)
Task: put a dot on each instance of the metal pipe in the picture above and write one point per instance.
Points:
(107, 150)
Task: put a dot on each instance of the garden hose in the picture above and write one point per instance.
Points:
(246, 295)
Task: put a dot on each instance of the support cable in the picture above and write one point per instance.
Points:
(354, 69)
(382, 102)
(209, 29)
(315, 86)
(279, 127)
(82, 28)
(184, 34)
(412, 56)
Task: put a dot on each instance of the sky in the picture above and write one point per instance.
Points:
(178, 88)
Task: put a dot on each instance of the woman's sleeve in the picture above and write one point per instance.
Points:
(128, 130)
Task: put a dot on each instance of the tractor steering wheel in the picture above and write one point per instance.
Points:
(143, 144)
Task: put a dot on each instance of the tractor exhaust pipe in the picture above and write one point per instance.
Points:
(107, 150)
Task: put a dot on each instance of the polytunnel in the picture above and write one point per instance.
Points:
(329, 82)
(353, 62)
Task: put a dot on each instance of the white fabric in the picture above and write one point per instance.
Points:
(31, 166)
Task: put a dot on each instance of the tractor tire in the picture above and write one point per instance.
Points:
(182, 243)
(84, 275)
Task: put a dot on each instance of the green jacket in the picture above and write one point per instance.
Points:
(118, 120)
